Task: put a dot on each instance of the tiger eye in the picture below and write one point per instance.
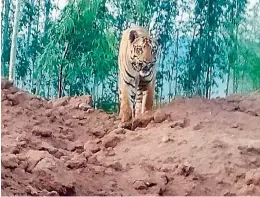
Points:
(139, 50)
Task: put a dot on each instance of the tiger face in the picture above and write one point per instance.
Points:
(143, 51)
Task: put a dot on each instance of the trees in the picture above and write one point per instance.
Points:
(5, 56)
(205, 45)
(248, 40)
(14, 39)
(80, 49)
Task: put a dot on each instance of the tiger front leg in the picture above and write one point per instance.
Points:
(148, 95)
(126, 109)
(138, 105)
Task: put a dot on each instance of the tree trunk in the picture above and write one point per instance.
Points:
(47, 7)
(236, 55)
(29, 31)
(5, 35)
(161, 79)
(210, 12)
(176, 59)
(93, 90)
(35, 86)
(1, 32)
(189, 66)
(48, 89)
(228, 78)
(14, 39)
(61, 67)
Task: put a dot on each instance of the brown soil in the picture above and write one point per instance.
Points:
(189, 147)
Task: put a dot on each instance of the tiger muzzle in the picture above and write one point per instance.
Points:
(146, 68)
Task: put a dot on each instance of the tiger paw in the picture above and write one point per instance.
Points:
(125, 125)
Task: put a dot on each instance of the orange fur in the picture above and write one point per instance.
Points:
(148, 98)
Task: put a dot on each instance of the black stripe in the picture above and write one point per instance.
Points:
(134, 65)
(146, 81)
(129, 83)
(151, 66)
(142, 86)
(150, 73)
(128, 74)
(140, 94)
(132, 98)
(132, 92)
(135, 68)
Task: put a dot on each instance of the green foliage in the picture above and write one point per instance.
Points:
(90, 49)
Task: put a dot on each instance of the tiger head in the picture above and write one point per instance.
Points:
(143, 52)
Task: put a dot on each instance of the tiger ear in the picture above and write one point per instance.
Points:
(132, 36)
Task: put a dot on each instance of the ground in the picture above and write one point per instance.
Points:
(189, 147)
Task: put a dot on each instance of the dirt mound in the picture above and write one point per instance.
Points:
(189, 147)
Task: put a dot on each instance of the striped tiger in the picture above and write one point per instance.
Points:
(137, 58)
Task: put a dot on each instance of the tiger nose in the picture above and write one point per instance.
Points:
(146, 68)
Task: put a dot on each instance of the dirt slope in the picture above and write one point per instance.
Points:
(190, 147)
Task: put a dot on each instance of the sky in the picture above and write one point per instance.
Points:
(61, 3)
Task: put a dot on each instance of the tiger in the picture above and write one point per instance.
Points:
(137, 72)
